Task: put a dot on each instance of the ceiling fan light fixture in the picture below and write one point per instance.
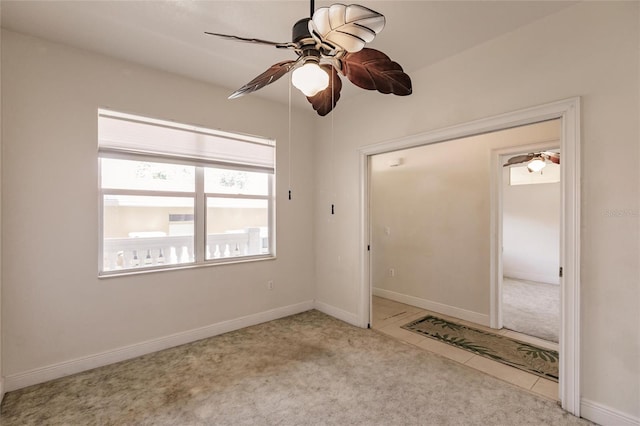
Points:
(331, 41)
(310, 78)
(536, 164)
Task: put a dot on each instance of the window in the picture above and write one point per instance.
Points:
(174, 195)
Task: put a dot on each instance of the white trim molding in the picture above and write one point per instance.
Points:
(55, 371)
(606, 416)
(497, 271)
(338, 313)
(530, 276)
(569, 111)
(441, 308)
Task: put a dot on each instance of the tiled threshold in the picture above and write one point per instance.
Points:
(389, 316)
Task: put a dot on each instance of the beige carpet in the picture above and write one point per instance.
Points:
(531, 308)
(307, 369)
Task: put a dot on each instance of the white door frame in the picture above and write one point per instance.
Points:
(497, 271)
(568, 111)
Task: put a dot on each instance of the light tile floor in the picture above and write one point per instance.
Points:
(388, 316)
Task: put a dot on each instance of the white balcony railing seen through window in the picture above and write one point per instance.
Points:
(121, 254)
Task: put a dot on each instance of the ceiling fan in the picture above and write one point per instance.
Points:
(536, 161)
(332, 41)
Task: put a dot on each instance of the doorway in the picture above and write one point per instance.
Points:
(530, 217)
(569, 113)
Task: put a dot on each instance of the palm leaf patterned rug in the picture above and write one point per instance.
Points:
(533, 359)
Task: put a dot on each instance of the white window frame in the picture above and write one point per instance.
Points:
(199, 197)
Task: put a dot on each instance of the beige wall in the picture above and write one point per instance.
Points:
(120, 221)
(223, 219)
(1, 333)
(430, 219)
(590, 50)
(531, 230)
(55, 309)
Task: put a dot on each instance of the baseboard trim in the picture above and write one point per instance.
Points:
(55, 371)
(441, 308)
(529, 276)
(338, 313)
(605, 416)
(1, 389)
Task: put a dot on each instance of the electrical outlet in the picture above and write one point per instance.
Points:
(392, 272)
(270, 285)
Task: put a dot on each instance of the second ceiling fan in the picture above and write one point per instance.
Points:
(536, 161)
(330, 43)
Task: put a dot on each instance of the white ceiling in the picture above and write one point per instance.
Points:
(169, 35)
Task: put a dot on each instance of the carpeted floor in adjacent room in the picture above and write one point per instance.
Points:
(532, 308)
(307, 369)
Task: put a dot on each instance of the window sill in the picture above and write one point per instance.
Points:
(170, 268)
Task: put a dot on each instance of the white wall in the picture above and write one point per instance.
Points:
(56, 312)
(588, 50)
(430, 221)
(531, 230)
(1, 334)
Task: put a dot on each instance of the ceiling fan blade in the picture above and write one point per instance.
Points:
(287, 45)
(518, 159)
(269, 76)
(554, 157)
(373, 70)
(345, 27)
(323, 102)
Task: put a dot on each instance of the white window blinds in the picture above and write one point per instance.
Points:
(133, 134)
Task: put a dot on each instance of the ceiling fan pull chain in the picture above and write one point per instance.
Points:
(333, 156)
(289, 137)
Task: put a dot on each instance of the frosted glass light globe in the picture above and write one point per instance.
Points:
(536, 165)
(310, 79)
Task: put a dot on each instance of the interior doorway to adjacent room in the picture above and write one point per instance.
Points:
(531, 209)
(568, 114)
(430, 208)
(430, 232)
